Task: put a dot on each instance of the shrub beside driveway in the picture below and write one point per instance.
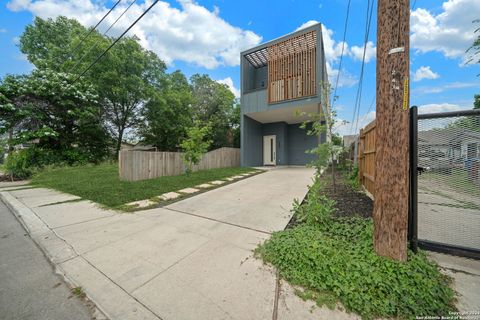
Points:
(101, 183)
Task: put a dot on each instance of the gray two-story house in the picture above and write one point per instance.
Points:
(280, 80)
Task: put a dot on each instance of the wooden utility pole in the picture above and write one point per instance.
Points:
(390, 213)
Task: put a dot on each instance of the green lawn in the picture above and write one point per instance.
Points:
(101, 183)
(457, 180)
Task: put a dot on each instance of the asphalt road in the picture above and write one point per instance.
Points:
(29, 288)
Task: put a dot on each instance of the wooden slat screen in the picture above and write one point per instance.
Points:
(292, 68)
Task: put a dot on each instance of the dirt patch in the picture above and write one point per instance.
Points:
(350, 202)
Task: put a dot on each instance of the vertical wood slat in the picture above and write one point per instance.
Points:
(292, 68)
(366, 158)
(142, 165)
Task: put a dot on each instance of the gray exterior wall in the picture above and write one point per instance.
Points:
(292, 142)
(298, 143)
(251, 152)
(279, 129)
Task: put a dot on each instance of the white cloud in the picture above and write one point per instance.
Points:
(307, 24)
(439, 107)
(346, 79)
(425, 73)
(333, 50)
(451, 32)
(229, 82)
(344, 128)
(370, 52)
(191, 33)
(3, 30)
(448, 86)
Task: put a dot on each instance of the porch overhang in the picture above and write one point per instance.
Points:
(289, 115)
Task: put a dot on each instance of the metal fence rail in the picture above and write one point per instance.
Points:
(445, 182)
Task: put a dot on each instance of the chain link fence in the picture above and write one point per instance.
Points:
(448, 194)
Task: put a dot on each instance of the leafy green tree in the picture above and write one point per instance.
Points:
(214, 103)
(128, 80)
(57, 44)
(195, 145)
(323, 123)
(168, 114)
(471, 122)
(235, 126)
(47, 107)
(125, 79)
(474, 49)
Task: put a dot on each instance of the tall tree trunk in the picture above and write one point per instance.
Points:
(10, 140)
(119, 141)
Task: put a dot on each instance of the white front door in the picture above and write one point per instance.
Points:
(269, 150)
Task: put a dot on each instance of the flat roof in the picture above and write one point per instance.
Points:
(258, 56)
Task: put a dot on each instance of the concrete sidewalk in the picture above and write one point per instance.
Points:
(29, 289)
(192, 260)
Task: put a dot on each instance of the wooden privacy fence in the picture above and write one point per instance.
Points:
(366, 158)
(142, 165)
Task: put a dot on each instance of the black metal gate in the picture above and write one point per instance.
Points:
(445, 182)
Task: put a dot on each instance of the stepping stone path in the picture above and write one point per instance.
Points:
(141, 203)
(174, 195)
(169, 196)
(188, 190)
(204, 186)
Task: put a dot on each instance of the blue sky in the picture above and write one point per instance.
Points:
(207, 36)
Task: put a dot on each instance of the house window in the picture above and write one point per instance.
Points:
(472, 150)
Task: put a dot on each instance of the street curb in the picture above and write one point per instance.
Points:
(38, 230)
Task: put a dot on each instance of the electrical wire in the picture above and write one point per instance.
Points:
(341, 55)
(358, 97)
(118, 39)
(96, 43)
(95, 27)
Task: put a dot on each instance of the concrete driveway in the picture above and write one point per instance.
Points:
(261, 203)
(190, 260)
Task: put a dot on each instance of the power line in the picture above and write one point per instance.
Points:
(118, 39)
(95, 27)
(358, 97)
(341, 55)
(414, 3)
(96, 43)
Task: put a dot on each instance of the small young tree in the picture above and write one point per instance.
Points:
(323, 123)
(195, 146)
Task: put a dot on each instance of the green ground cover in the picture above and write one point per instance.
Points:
(101, 183)
(333, 260)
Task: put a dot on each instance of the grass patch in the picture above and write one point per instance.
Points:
(102, 184)
(333, 259)
(78, 291)
(457, 179)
